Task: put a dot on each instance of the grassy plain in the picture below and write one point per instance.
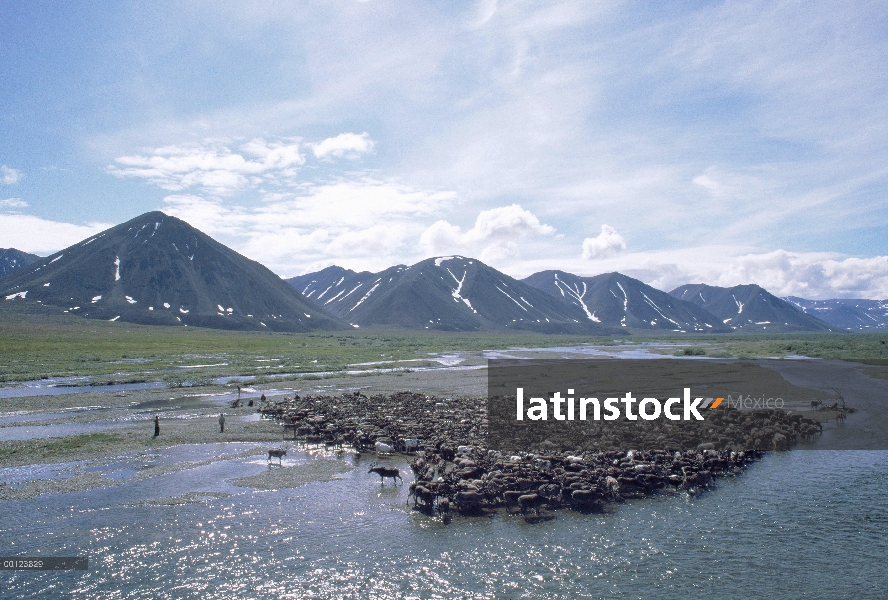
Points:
(35, 345)
(38, 344)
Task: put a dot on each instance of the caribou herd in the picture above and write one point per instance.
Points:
(453, 469)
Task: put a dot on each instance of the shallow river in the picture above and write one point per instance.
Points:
(797, 524)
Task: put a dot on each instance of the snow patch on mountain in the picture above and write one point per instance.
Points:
(625, 304)
(367, 295)
(512, 299)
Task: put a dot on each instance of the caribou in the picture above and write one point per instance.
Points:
(277, 453)
(531, 501)
(384, 472)
(421, 494)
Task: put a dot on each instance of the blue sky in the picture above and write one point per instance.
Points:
(716, 142)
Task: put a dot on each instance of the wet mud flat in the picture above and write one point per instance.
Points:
(74, 443)
(57, 444)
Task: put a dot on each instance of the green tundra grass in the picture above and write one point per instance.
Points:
(37, 343)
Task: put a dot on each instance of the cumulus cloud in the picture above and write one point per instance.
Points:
(492, 237)
(607, 243)
(348, 145)
(13, 203)
(812, 275)
(8, 175)
(42, 236)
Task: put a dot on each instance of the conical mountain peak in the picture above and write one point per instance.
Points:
(158, 269)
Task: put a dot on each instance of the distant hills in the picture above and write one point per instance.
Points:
(156, 269)
(846, 314)
(749, 308)
(13, 260)
(450, 293)
(617, 300)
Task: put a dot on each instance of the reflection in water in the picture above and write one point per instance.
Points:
(796, 524)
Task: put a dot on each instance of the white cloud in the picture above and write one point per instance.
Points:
(358, 203)
(607, 243)
(42, 236)
(13, 203)
(813, 275)
(810, 274)
(8, 175)
(275, 155)
(219, 168)
(348, 145)
(723, 184)
(373, 222)
(210, 216)
(494, 235)
(485, 9)
(382, 239)
(212, 165)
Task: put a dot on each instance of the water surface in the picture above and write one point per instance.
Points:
(797, 524)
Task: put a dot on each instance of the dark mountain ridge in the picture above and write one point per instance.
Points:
(157, 269)
(13, 260)
(618, 300)
(749, 308)
(450, 293)
(846, 313)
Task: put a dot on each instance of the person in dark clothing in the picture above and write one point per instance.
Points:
(221, 423)
(156, 425)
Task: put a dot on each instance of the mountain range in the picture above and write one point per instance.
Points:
(13, 260)
(448, 293)
(157, 269)
(455, 293)
(621, 301)
(847, 314)
(749, 308)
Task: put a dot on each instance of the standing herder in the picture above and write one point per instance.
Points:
(221, 423)
(156, 425)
